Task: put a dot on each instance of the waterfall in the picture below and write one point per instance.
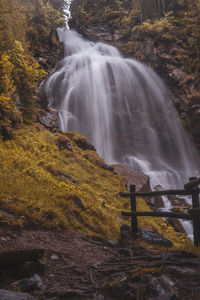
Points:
(123, 108)
(66, 11)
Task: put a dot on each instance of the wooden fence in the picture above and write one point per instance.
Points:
(190, 188)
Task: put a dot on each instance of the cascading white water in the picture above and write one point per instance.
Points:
(123, 108)
(66, 11)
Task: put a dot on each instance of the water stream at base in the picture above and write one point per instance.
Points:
(123, 108)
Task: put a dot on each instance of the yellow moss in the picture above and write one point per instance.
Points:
(37, 196)
(34, 191)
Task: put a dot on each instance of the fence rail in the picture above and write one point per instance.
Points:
(190, 188)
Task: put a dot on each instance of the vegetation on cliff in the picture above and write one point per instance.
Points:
(57, 180)
(163, 34)
(25, 29)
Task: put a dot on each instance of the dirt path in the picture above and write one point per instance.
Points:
(78, 266)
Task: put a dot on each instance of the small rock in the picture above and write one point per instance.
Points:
(133, 176)
(37, 279)
(118, 278)
(54, 257)
(168, 296)
(152, 237)
(63, 143)
(50, 120)
(182, 272)
(26, 284)
(108, 168)
(98, 297)
(83, 143)
(8, 295)
(156, 287)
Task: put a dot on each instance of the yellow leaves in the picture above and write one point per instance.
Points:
(7, 87)
(160, 25)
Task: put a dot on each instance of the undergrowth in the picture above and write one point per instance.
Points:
(48, 180)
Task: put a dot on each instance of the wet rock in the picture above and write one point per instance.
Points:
(108, 167)
(181, 272)
(158, 202)
(54, 257)
(162, 286)
(8, 295)
(177, 201)
(134, 177)
(26, 284)
(83, 143)
(156, 288)
(178, 74)
(50, 120)
(63, 143)
(152, 237)
(167, 283)
(169, 296)
(100, 33)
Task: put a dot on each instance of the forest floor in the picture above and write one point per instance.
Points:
(78, 266)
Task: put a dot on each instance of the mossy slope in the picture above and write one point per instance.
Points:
(49, 180)
(42, 183)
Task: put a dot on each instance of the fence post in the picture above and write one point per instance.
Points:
(134, 223)
(196, 219)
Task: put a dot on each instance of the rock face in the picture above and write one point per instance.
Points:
(167, 58)
(134, 177)
(167, 55)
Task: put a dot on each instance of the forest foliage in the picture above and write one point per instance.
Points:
(25, 28)
(172, 19)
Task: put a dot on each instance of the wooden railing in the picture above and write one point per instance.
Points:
(190, 188)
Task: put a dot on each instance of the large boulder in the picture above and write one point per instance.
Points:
(133, 177)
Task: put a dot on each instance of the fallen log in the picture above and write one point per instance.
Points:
(18, 256)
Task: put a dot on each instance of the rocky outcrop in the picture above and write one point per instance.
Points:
(133, 177)
(168, 57)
